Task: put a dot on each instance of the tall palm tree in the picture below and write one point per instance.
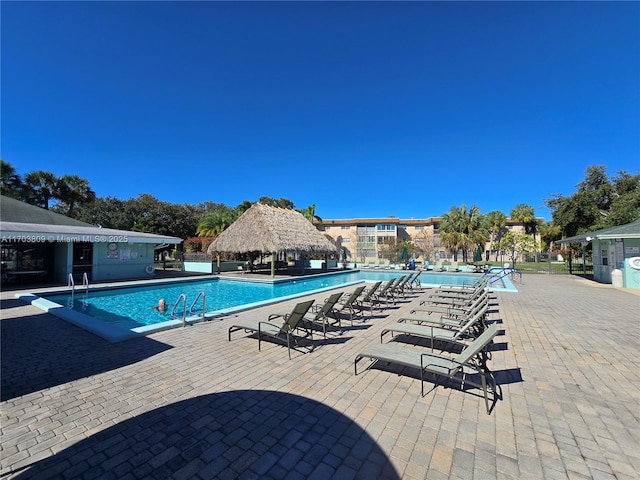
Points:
(476, 230)
(525, 214)
(451, 230)
(310, 214)
(463, 230)
(10, 182)
(72, 190)
(496, 223)
(40, 187)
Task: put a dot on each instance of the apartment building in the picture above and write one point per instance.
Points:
(367, 240)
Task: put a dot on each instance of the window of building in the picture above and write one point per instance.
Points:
(345, 227)
(382, 240)
(386, 227)
(27, 262)
(365, 230)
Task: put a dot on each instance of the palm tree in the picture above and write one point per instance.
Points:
(72, 190)
(451, 228)
(310, 214)
(476, 230)
(10, 182)
(463, 230)
(496, 222)
(40, 187)
(214, 223)
(525, 214)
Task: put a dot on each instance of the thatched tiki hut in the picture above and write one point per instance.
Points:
(271, 230)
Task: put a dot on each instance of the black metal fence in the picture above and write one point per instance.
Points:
(541, 263)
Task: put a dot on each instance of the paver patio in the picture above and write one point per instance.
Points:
(187, 403)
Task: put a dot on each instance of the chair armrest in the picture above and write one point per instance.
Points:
(267, 323)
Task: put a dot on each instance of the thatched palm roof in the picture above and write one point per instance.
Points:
(269, 229)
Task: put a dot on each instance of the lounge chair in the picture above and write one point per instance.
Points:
(481, 282)
(322, 314)
(347, 306)
(267, 328)
(470, 329)
(368, 298)
(415, 281)
(439, 267)
(399, 287)
(385, 292)
(473, 358)
(449, 316)
(460, 298)
(453, 267)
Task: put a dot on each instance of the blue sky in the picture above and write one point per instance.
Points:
(365, 109)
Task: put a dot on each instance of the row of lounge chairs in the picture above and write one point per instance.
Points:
(440, 267)
(291, 327)
(383, 266)
(449, 317)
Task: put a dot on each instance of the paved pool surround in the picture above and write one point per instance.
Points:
(187, 403)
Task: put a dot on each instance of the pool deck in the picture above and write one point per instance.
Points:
(187, 403)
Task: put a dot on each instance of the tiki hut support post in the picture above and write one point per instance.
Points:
(218, 262)
(273, 264)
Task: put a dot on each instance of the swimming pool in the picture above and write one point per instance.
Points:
(117, 313)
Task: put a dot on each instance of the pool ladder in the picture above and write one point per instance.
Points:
(72, 284)
(183, 299)
(204, 304)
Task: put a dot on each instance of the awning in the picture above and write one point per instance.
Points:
(630, 230)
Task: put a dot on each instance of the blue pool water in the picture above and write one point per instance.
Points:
(130, 308)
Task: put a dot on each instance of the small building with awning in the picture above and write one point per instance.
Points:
(272, 231)
(616, 251)
(44, 246)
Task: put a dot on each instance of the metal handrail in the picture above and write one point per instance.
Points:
(204, 303)
(85, 281)
(71, 283)
(182, 297)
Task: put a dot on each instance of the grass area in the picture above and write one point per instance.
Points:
(542, 267)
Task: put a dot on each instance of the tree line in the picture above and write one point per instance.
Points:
(600, 201)
(72, 196)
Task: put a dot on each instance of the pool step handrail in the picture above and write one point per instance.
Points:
(71, 283)
(85, 281)
(183, 298)
(498, 273)
(204, 303)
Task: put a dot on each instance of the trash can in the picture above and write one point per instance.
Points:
(616, 278)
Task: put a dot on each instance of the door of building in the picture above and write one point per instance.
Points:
(82, 260)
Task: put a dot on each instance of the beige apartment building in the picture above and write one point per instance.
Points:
(367, 240)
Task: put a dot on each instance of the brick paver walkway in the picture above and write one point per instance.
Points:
(187, 403)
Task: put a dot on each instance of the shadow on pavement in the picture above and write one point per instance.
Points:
(40, 351)
(236, 434)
